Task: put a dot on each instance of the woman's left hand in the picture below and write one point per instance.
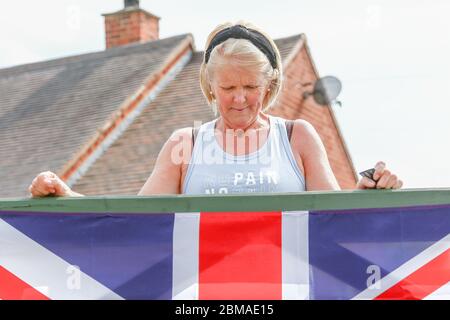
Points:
(383, 179)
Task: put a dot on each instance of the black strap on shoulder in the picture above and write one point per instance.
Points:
(194, 135)
(289, 126)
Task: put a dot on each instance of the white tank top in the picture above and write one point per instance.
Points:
(272, 168)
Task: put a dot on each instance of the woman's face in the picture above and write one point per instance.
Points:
(239, 94)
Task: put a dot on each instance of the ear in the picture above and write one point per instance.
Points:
(267, 92)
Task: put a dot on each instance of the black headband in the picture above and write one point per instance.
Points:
(241, 32)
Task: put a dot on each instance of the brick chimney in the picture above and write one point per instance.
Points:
(129, 25)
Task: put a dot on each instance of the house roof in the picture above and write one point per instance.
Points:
(52, 113)
(49, 109)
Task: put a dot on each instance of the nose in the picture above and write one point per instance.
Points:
(240, 96)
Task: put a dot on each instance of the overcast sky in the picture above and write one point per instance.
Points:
(392, 57)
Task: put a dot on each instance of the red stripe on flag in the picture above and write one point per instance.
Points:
(423, 281)
(240, 255)
(13, 288)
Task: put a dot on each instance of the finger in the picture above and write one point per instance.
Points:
(60, 189)
(51, 174)
(30, 190)
(41, 192)
(45, 175)
(382, 182)
(399, 184)
(44, 187)
(49, 185)
(41, 179)
(367, 183)
(379, 170)
(391, 182)
(36, 193)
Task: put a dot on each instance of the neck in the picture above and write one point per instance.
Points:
(240, 140)
(260, 122)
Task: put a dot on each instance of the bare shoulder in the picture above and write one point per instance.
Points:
(304, 136)
(166, 175)
(178, 146)
(180, 138)
(303, 126)
(181, 134)
(308, 145)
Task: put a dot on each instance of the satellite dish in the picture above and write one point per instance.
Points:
(326, 90)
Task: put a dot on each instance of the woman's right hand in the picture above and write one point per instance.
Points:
(48, 184)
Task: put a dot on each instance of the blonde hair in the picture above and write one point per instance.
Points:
(247, 55)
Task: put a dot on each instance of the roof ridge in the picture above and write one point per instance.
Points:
(291, 37)
(90, 56)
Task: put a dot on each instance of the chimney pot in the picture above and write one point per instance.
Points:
(131, 3)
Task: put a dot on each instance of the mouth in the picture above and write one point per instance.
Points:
(239, 109)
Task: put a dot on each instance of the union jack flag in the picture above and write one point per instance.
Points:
(389, 253)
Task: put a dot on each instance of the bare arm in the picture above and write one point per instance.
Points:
(166, 175)
(318, 172)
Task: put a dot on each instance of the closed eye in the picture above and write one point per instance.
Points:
(246, 87)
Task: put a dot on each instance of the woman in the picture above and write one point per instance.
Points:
(244, 149)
